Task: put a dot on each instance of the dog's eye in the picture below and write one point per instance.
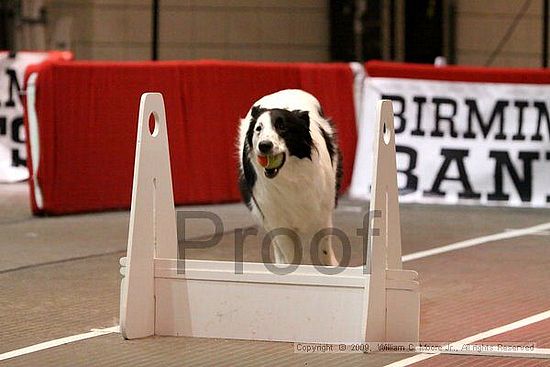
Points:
(258, 128)
(280, 124)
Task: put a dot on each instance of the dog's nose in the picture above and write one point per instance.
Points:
(265, 146)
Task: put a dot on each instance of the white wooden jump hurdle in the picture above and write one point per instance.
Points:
(210, 300)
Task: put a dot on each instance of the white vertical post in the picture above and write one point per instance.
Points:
(385, 232)
(152, 231)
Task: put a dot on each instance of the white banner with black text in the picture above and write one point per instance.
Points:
(13, 154)
(461, 142)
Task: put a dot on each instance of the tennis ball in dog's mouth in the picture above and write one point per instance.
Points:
(271, 161)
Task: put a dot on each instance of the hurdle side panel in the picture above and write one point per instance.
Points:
(386, 197)
(385, 244)
(152, 230)
(375, 318)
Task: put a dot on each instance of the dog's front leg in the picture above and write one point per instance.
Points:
(284, 250)
(279, 256)
(326, 254)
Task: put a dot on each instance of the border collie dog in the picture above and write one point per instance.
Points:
(290, 170)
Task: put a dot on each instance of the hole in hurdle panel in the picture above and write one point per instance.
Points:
(387, 134)
(153, 124)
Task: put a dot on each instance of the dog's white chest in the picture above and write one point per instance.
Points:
(301, 198)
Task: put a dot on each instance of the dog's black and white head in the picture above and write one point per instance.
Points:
(273, 134)
(283, 136)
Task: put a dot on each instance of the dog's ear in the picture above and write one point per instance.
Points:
(302, 116)
(256, 111)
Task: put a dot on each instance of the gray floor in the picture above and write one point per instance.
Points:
(59, 277)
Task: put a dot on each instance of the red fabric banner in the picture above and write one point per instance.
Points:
(87, 116)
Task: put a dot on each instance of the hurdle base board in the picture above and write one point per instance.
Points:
(211, 300)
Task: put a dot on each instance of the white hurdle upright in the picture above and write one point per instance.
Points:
(209, 299)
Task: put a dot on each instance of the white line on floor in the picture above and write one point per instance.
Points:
(477, 241)
(57, 342)
(474, 338)
(541, 233)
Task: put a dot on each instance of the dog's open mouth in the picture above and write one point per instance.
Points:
(272, 164)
